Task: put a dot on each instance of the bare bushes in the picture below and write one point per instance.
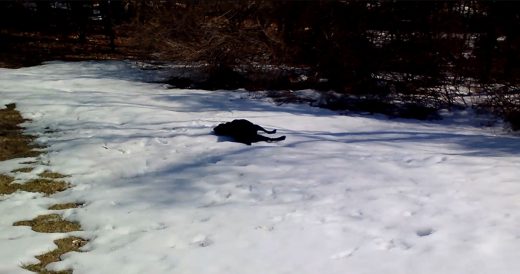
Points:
(408, 58)
(227, 39)
(503, 100)
(413, 56)
(215, 32)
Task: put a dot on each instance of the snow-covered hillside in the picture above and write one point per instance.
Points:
(343, 194)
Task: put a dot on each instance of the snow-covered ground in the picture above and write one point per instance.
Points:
(343, 194)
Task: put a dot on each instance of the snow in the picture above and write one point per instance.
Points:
(343, 194)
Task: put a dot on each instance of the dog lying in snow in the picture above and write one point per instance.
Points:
(245, 132)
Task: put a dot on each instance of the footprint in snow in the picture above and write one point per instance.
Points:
(436, 159)
(432, 160)
(162, 141)
(383, 244)
(423, 232)
(265, 227)
(201, 240)
(356, 214)
(344, 254)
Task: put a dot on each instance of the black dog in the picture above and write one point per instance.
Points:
(245, 132)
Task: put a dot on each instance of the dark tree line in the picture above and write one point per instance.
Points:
(63, 19)
(417, 53)
(422, 54)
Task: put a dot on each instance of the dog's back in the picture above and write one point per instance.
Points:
(236, 127)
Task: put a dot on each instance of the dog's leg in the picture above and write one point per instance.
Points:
(261, 138)
(270, 140)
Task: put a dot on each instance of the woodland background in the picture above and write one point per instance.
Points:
(401, 58)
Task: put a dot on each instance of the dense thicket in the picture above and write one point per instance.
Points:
(420, 54)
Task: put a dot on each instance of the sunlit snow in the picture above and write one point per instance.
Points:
(343, 194)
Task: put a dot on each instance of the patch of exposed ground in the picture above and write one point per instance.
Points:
(45, 186)
(15, 144)
(5, 184)
(63, 246)
(29, 162)
(51, 223)
(54, 223)
(65, 206)
(24, 169)
(52, 175)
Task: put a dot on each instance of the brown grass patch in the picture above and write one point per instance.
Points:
(24, 169)
(5, 184)
(45, 186)
(14, 144)
(51, 223)
(29, 163)
(65, 206)
(63, 246)
(52, 175)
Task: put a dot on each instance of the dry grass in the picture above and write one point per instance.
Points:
(45, 186)
(51, 223)
(52, 175)
(13, 143)
(24, 169)
(10, 117)
(5, 184)
(65, 206)
(29, 162)
(63, 246)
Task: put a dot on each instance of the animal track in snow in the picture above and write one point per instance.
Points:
(423, 232)
(356, 214)
(201, 240)
(265, 227)
(419, 162)
(436, 159)
(344, 254)
(162, 141)
(218, 196)
(383, 244)
(408, 213)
